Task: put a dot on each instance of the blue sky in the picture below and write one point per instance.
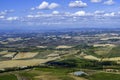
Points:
(59, 13)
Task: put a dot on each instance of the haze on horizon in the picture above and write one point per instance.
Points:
(45, 14)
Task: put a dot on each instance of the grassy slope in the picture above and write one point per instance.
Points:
(104, 76)
(47, 74)
(115, 52)
(108, 52)
(103, 51)
(8, 77)
(58, 74)
(61, 73)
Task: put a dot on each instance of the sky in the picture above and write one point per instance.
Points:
(23, 14)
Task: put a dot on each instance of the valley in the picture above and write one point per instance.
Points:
(57, 55)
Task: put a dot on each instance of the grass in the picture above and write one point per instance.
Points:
(43, 54)
(66, 78)
(61, 73)
(103, 51)
(104, 76)
(74, 63)
(8, 77)
(108, 51)
(115, 52)
(28, 75)
(55, 71)
(48, 73)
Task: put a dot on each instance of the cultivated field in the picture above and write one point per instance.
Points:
(3, 52)
(25, 55)
(90, 57)
(63, 46)
(9, 55)
(103, 45)
(21, 63)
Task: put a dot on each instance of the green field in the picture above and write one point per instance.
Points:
(103, 51)
(115, 52)
(63, 68)
(104, 76)
(47, 74)
(58, 74)
(8, 77)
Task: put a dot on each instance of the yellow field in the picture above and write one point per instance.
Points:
(112, 59)
(9, 55)
(90, 57)
(63, 46)
(103, 45)
(109, 38)
(103, 49)
(52, 55)
(3, 52)
(25, 55)
(21, 63)
(41, 46)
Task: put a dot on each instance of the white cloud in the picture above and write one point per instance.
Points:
(33, 16)
(56, 18)
(66, 18)
(55, 12)
(5, 12)
(118, 13)
(2, 17)
(96, 1)
(78, 4)
(46, 5)
(33, 8)
(12, 18)
(80, 13)
(99, 12)
(30, 16)
(109, 2)
(53, 5)
(110, 14)
(43, 5)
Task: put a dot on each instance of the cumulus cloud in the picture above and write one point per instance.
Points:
(12, 18)
(96, 1)
(43, 5)
(77, 4)
(33, 8)
(67, 18)
(2, 13)
(110, 14)
(55, 12)
(34, 16)
(118, 13)
(30, 16)
(6, 12)
(80, 13)
(2, 17)
(53, 5)
(109, 2)
(46, 5)
(99, 12)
